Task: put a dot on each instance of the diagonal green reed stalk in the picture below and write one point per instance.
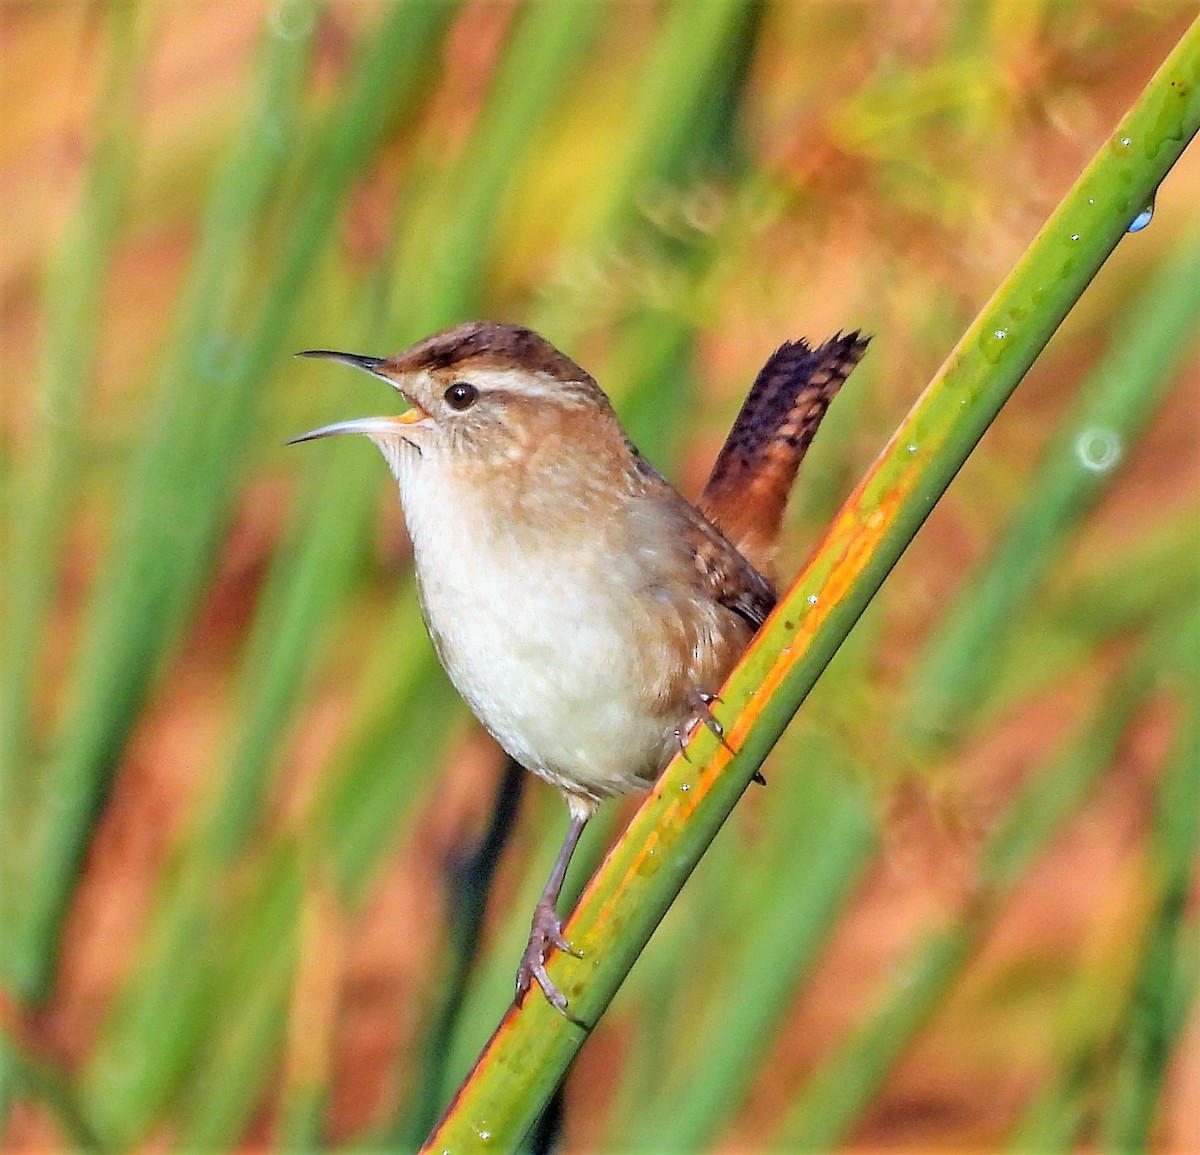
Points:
(1114, 406)
(534, 1045)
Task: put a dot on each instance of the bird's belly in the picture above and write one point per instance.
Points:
(551, 671)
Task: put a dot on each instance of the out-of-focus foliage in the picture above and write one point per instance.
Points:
(252, 881)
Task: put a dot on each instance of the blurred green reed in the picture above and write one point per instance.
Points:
(838, 1091)
(183, 480)
(158, 1018)
(1137, 1018)
(769, 951)
(46, 483)
(1164, 987)
(198, 1038)
(41, 495)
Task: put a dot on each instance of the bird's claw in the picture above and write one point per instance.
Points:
(544, 933)
(700, 702)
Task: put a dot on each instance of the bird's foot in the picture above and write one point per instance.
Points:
(700, 713)
(544, 934)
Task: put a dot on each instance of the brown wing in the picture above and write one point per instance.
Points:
(707, 603)
(729, 578)
(748, 489)
(726, 575)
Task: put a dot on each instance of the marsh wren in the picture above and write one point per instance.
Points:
(585, 611)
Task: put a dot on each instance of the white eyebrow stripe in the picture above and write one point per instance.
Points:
(524, 383)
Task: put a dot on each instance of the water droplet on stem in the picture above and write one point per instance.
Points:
(1143, 218)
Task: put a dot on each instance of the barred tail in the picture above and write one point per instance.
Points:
(748, 489)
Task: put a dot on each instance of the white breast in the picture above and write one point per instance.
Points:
(537, 635)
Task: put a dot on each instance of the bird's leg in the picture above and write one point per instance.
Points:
(546, 930)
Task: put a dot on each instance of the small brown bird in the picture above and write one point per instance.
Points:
(585, 611)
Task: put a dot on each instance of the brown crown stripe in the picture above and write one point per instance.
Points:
(489, 345)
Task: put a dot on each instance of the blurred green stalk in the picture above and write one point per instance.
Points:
(470, 878)
(182, 484)
(1114, 405)
(688, 94)
(534, 1045)
(45, 486)
(158, 1019)
(460, 239)
(49, 1086)
(838, 1092)
(126, 629)
(1154, 1008)
(1164, 987)
(1122, 591)
(249, 1000)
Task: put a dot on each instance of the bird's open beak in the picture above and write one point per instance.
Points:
(371, 426)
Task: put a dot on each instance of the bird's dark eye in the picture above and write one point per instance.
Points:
(461, 395)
